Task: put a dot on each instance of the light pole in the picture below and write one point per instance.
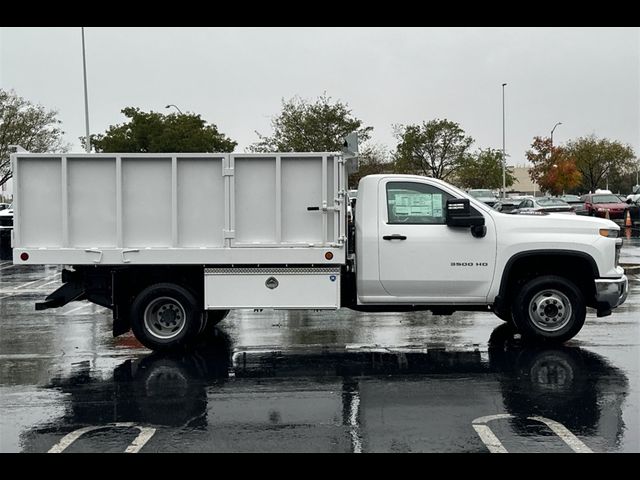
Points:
(172, 105)
(504, 157)
(554, 127)
(86, 97)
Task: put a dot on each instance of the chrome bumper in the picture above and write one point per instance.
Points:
(612, 291)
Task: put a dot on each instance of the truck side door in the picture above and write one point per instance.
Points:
(422, 259)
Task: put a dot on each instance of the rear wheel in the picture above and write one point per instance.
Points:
(549, 308)
(165, 316)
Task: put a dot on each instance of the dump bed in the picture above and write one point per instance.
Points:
(179, 208)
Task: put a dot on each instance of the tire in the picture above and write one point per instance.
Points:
(166, 316)
(211, 319)
(549, 309)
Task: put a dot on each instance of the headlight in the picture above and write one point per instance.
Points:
(609, 232)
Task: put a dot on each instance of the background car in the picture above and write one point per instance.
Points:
(4, 206)
(484, 195)
(576, 202)
(6, 225)
(544, 204)
(598, 204)
(506, 205)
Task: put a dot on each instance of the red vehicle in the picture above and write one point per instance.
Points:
(597, 205)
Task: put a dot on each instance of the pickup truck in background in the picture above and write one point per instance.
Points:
(172, 242)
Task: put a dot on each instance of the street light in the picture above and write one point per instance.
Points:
(504, 157)
(554, 127)
(86, 97)
(172, 105)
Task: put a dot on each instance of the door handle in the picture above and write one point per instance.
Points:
(394, 237)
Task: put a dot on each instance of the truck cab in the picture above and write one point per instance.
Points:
(423, 242)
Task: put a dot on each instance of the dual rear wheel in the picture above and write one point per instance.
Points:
(166, 316)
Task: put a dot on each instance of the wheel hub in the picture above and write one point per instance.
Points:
(164, 318)
(550, 310)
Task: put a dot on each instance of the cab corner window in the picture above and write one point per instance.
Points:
(417, 203)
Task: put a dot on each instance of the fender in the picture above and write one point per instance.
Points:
(502, 293)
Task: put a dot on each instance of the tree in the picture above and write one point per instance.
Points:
(562, 177)
(483, 169)
(155, 132)
(303, 126)
(435, 149)
(601, 159)
(372, 159)
(554, 168)
(33, 127)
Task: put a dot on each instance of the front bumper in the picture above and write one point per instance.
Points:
(611, 292)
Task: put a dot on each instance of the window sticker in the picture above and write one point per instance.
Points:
(418, 204)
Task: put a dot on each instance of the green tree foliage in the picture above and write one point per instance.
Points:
(148, 132)
(33, 127)
(483, 169)
(372, 159)
(436, 148)
(601, 159)
(304, 126)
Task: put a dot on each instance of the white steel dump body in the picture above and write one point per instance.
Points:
(187, 208)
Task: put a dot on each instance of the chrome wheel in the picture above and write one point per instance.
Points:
(164, 318)
(550, 310)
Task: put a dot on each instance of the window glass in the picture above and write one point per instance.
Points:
(417, 203)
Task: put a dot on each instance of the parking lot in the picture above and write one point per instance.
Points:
(312, 381)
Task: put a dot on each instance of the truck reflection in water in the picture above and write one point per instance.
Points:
(378, 398)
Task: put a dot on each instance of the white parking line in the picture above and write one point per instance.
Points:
(495, 446)
(489, 439)
(38, 280)
(76, 309)
(563, 432)
(486, 434)
(354, 409)
(8, 267)
(134, 447)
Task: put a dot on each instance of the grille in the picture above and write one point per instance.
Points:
(618, 248)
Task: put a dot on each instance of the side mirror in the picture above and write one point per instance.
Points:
(459, 214)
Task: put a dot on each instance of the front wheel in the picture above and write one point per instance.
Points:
(549, 308)
(165, 316)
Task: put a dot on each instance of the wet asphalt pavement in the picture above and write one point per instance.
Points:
(313, 382)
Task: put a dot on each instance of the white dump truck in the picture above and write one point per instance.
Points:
(172, 242)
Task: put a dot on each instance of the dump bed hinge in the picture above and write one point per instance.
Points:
(227, 172)
(229, 233)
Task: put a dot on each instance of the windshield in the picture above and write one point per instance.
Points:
(605, 199)
(481, 193)
(552, 202)
(571, 198)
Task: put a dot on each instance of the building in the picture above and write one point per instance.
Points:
(523, 183)
(6, 191)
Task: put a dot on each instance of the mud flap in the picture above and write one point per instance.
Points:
(68, 292)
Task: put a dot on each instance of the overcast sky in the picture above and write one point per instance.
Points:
(586, 78)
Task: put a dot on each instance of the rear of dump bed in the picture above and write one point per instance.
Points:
(170, 242)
